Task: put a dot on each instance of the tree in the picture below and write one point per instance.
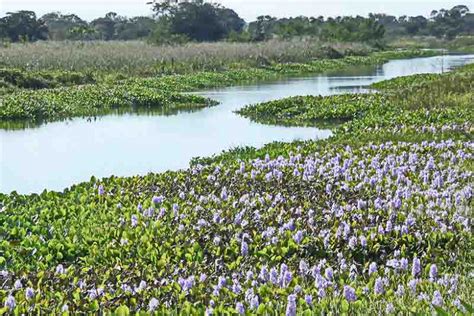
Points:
(134, 28)
(60, 26)
(262, 29)
(448, 23)
(106, 26)
(23, 26)
(415, 24)
(197, 20)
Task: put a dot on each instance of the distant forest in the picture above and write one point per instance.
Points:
(206, 22)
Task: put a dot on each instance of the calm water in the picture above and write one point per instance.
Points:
(57, 155)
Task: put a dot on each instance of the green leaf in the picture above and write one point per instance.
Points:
(122, 311)
(467, 306)
(441, 311)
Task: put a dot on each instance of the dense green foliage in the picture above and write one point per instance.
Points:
(198, 20)
(311, 110)
(346, 29)
(178, 22)
(92, 100)
(22, 26)
(442, 24)
(43, 79)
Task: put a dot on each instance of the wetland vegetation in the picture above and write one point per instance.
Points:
(377, 218)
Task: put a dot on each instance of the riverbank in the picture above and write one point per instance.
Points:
(373, 220)
(162, 92)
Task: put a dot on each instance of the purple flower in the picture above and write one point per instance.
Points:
(236, 288)
(329, 273)
(244, 248)
(101, 190)
(221, 282)
(308, 298)
(153, 305)
(298, 237)
(322, 293)
(141, 286)
(400, 291)
(273, 275)
(363, 241)
(412, 285)
(416, 267)
(298, 289)
(372, 268)
(60, 269)
(353, 242)
(287, 277)
(437, 299)
(390, 308)
(224, 194)
(263, 275)
(457, 303)
(291, 305)
(10, 302)
(29, 293)
(254, 303)
(157, 199)
(349, 293)
(202, 277)
(134, 220)
(303, 267)
(239, 307)
(379, 286)
(404, 263)
(17, 285)
(433, 272)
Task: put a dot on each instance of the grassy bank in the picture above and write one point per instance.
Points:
(461, 44)
(102, 98)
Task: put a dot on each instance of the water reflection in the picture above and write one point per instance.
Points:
(141, 111)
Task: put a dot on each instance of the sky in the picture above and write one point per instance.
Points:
(248, 9)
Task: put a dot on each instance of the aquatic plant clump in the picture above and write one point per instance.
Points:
(93, 100)
(308, 110)
(345, 229)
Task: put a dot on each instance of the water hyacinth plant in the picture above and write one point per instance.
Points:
(289, 243)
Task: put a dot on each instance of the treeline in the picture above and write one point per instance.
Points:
(201, 21)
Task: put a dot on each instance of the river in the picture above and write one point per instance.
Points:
(56, 155)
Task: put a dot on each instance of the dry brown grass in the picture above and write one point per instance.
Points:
(140, 58)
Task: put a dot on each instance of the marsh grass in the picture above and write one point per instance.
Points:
(142, 59)
(464, 44)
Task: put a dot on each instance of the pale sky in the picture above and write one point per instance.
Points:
(248, 9)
